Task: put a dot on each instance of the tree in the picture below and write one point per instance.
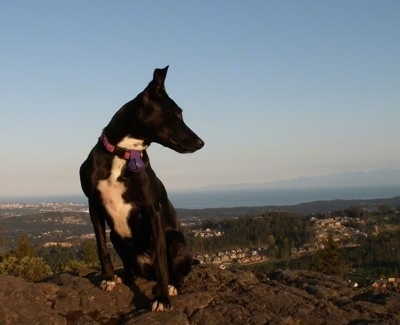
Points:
(56, 257)
(22, 262)
(271, 240)
(90, 257)
(328, 260)
(28, 268)
(24, 249)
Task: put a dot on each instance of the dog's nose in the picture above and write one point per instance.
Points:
(200, 143)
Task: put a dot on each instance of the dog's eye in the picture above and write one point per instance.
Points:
(180, 115)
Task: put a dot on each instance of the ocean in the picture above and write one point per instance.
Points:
(276, 197)
(201, 199)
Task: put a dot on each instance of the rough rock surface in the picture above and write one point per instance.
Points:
(210, 296)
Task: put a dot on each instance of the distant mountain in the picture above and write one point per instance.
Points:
(378, 177)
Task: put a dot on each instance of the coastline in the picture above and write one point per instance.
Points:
(204, 199)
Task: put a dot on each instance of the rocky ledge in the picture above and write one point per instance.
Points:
(210, 296)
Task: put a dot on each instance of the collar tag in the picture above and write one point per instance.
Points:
(134, 157)
(135, 163)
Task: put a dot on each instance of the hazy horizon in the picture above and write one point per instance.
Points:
(227, 198)
(389, 179)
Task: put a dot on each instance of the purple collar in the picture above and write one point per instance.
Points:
(134, 157)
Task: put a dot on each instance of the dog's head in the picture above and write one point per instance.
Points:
(154, 117)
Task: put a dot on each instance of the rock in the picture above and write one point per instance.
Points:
(26, 303)
(210, 296)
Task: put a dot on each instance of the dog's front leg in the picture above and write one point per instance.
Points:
(109, 280)
(161, 300)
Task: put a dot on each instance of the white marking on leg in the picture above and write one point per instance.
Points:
(117, 279)
(172, 291)
(110, 285)
(157, 306)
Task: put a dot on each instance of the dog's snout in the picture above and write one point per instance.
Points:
(200, 143)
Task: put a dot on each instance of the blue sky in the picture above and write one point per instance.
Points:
(276, 89)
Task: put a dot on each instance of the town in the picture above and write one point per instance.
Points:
(20, 209)
(346, 232)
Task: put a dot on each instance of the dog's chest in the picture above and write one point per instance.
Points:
(111, 192)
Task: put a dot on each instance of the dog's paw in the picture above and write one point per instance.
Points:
(110, 285)
(172, 291)
(117, 279)
(107, 285)
(159, 305)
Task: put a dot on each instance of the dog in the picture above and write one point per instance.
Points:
(124, 192)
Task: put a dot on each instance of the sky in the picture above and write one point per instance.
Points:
(276, 89)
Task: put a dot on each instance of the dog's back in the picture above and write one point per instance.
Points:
(124, 191)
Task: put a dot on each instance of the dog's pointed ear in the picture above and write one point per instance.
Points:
(156, 86)
(159, 76)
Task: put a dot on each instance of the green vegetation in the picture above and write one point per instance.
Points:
(64, 259)
(23, 249)
(377, 248)
(328, 260)
(280, 231)
(89, 255)
(23, 260)
(28, 268)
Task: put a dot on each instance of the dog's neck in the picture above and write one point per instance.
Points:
(129, 149)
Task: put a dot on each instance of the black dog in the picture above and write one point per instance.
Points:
(124, 191)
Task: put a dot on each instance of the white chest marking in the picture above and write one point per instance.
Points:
(111, 193)
(129, 143)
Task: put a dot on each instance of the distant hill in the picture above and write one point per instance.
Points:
(302, 209)
(378, 177)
